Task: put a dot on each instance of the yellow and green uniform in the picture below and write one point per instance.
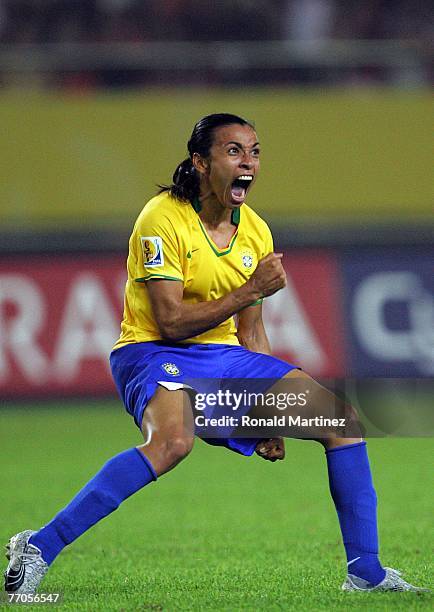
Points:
(170, 242)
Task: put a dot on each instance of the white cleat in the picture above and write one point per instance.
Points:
(391, 582)
(26, 566)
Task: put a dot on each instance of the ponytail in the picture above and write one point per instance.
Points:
(185, 186)
(186, 183)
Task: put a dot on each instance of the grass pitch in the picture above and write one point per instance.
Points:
(220, 532)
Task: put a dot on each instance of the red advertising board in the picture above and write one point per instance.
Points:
(60, 315)
(304, 321)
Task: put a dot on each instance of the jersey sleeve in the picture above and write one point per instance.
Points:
(157, 248)
(268, 242)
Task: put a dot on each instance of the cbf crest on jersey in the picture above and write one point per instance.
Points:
(171, 368)
(247, 259)
(152, 248)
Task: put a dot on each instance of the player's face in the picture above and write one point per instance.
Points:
(232, 166)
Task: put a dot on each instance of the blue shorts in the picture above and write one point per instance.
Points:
(139, 368)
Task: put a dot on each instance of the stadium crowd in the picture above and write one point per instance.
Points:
(306, 21)
(37, 21)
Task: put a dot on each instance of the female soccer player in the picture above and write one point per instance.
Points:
(198, 256)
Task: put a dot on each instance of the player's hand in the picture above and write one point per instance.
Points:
(272, 449)
(269, 275)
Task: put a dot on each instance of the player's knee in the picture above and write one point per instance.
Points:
(177, 448)
(349, 431)
(353, 425)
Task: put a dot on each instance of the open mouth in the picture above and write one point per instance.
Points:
(240, 187)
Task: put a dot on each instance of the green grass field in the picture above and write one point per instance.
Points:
(220, 532)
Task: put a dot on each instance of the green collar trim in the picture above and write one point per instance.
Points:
(213, 246)
(196, 205)
(235, 217)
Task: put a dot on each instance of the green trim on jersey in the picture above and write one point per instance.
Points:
(214, 247)
(235, 220)
(196, 205)
(235, 216)
(162, 276)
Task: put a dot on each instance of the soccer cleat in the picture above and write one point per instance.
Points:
(391, 582)
(26, 566)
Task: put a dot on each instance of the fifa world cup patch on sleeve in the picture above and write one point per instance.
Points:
(152, 248)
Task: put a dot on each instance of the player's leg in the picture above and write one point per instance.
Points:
(350, 483)
(168, 430)
(168, 441)
(350, 480)
(169, 437)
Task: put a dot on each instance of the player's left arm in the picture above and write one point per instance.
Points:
(252, 335)
(251, 331)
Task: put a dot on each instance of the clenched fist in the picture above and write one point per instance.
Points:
(272, 449)
(269, 275)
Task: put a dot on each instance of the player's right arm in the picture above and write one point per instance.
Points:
(178, 320)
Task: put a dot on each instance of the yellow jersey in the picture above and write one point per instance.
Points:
(170, 242)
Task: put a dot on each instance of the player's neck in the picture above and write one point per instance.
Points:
(213, 214)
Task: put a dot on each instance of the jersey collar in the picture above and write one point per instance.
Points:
(235, 217)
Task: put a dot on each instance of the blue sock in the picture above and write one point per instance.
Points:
(356, 504)
(119, 478)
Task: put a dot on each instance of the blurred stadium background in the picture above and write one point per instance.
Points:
(97, 102)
